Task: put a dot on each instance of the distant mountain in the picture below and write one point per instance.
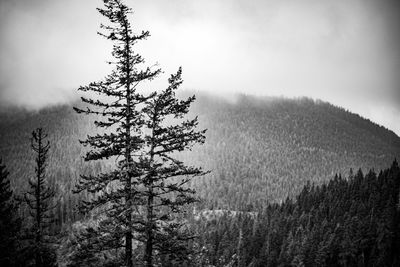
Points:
(264, 149)
(258, 149)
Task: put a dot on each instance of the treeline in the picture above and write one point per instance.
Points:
(353, 221)
(259, 151)
(346, 222)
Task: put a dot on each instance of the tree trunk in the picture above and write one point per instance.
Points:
(128, 249)
(149, 242)
(128, 236)
(38, 261)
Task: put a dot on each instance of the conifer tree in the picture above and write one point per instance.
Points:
(9, 222)
(116, 192)
(40, 198)
(165, 180)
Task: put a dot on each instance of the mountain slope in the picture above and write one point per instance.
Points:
(266, 148)
(258, 149)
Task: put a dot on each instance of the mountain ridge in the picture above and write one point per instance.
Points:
(259, 149)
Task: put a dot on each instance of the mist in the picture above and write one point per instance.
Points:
(344, 52)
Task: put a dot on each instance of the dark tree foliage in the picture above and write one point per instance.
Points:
(140, 198)
(166, 178)
(116, 192)
(9, 222)
(347, 222)
(39, 199)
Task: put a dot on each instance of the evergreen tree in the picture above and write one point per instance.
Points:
(40, 200)
(116, 192)
(165, 180)
(348, 222)
(9, 222)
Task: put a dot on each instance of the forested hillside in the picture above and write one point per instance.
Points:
(259, 150)
(348, 221)
(352, 221)
(265, 149)
(124, 173)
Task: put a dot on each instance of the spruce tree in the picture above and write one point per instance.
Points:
(165, 180)
(116, 193)
(9, 221)
(40, 199)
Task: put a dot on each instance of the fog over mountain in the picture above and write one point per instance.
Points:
(259, 149)
(343, 52)
(199, 133)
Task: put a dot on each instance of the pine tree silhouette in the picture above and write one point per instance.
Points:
(165, 180)
(40, 198)
(116, 192)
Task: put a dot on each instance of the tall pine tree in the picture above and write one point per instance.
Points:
(40, 199)
(165, 178)
(116, 192)
(9, 221)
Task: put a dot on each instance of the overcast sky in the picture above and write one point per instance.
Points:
(342, 51)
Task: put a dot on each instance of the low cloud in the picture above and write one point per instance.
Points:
(345, 52)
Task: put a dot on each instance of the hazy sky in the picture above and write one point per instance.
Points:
(346, 52)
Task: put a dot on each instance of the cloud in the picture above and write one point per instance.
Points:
(345, 52)
(45, 51)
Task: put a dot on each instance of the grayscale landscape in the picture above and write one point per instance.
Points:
(199, 133)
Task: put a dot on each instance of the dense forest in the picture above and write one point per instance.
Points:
(352, 221)
(259, 150)
(327, 219)
(347, 221)
(125, 177)
(270, 147)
